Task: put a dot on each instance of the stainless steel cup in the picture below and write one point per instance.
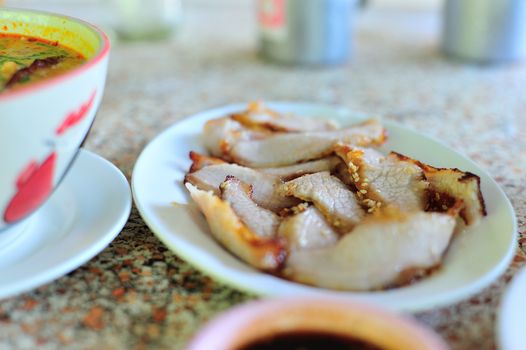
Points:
(485, 31)
(305, 31)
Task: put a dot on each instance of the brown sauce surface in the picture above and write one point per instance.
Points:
(309, 341)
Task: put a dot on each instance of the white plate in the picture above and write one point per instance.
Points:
(475, 258)
(510, 325)
(80, 219)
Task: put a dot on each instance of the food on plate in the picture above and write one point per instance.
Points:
(265, 193)
(262, 252)
(334, 200)
(258, 115)
(318, 205)
(279, 149)
(290, 172)
(25, 60)
(377, 253)
(384, 180)
(446, 185)
(259, 220)
(260, 148)
(306, 228)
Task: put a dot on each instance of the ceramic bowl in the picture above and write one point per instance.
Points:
(43, 124)
(248, 323)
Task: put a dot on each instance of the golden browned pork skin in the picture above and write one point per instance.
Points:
(258, 116)
(199, 161)
(226, 227)
(451, 185)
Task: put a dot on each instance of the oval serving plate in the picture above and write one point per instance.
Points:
(475, 258)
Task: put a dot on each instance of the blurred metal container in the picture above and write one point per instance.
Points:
(305, 31)
(485, 31)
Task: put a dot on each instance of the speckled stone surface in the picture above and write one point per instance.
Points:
(136, 294)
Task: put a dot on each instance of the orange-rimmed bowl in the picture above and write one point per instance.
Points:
(43, 124)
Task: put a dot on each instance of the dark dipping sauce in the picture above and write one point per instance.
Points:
(309, 341)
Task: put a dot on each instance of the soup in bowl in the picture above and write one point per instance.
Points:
(25, 60)
(52, 76)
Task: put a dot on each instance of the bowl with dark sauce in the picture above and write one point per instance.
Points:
(52, 77)
(314, 324)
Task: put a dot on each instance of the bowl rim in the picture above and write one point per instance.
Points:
(222, 328)
(101, 54)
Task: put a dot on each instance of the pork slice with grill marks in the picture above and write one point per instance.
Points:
(265, 187)
(259, 220)
(282, 149)
(258, 116)
(335, 201)
(384, 180)
(266, 253)
(307, 229)
(376, 253)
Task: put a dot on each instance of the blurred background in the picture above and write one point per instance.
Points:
(395, 66)
(103, 12)
(453, 69)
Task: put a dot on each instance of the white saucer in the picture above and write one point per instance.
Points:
(81, 218)
(476, 257)
(510, 323)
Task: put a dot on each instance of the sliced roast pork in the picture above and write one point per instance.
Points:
(376, 253)
(219, 135)
(292, 171)
(261, 252)
(259, 220)
(448, 186)
(265, 187)
(259, 116)
(199, 161)
(384, 180)
(289, 148)
(307, 229)
(317, 205)
(336, 202)
(454, 183)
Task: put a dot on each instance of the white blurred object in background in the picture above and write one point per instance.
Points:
(131, 19)
(145, 19)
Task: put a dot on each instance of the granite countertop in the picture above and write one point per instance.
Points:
(137, 294)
